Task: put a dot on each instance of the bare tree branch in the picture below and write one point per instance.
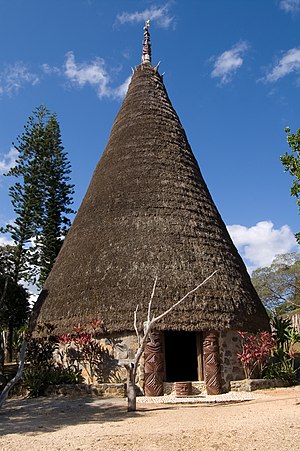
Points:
(151, 299)
(135, 325)
(182, 299)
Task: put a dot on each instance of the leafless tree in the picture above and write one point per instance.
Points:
(142, 340)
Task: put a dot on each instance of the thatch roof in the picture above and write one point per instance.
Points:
(148, 212)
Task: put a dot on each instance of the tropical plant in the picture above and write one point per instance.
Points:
(85, 349)
(38, 379)
(256, 352)
(42, 368)
(283, 365)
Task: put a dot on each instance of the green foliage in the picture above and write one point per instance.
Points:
(42, 369)
(15, 306)
(40, 350)
(284, 370)
(52, 361)
(278, 285)
(291, 163)
(37, 379)
(41, 197)
(283, 365)
(7, 260)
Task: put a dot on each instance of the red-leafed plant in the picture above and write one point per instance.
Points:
(256, 352)
(86, 350)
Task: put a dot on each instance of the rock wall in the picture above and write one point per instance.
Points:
(231, 368)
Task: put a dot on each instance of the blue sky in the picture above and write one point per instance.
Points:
(232, 71)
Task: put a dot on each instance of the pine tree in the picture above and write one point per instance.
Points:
(41, 197)
(57, 200)
(26, 194)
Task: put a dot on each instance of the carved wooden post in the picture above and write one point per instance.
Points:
(154, 365)
(212, 374)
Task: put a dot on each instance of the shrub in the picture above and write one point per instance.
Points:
(256, 352)
(38, 379)
(283, 365)
(42, 370)
(86, 350)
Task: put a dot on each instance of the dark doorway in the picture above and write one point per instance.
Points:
(181, 356)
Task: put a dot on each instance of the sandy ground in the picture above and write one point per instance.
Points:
(271, 421)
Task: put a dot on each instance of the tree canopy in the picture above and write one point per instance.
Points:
(278, 285)
(291, 163)
(41, 197)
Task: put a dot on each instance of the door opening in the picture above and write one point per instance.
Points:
(181, 356)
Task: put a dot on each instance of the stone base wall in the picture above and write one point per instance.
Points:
(257, 384)
(108, 390)
(231, 368)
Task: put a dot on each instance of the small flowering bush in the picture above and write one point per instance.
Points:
(53, 360)
(256, 352)
(42, 370)
(86, 350)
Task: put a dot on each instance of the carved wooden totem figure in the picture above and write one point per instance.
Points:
(211, 357)
(154, 365)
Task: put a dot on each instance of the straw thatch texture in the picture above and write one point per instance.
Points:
(148, 212)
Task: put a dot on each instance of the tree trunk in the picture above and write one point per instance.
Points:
(17, 377)
(2, 376)
(131, 392)
(1, 354)
(9, 344)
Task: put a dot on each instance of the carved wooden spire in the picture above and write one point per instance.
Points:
(146, 56)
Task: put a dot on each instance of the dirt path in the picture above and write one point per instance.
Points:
(270, 422)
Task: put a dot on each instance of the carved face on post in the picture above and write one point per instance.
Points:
(212, 362)
(154, 365)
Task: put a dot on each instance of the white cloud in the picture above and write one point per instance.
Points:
(14, 76)
(92, 73)
(290, 62)
(8, 160)
(6, 241)
(259, 244)
(49, 70)
(159, 14)
(290, 6)
(120, 91)
(229, 62)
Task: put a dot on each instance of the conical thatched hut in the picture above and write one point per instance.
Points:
(147, 213)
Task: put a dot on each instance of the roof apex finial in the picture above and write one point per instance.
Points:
(146, 55)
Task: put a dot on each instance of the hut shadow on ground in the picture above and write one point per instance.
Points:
(40, 415)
